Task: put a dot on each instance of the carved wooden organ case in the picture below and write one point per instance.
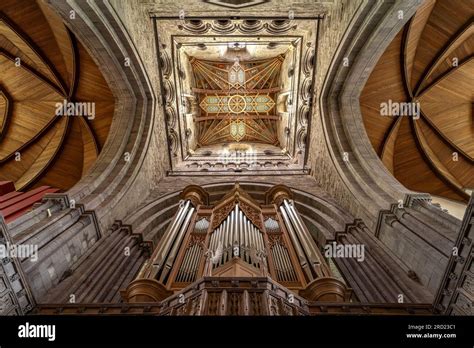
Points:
(236, 237)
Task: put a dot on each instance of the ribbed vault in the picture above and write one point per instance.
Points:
(43, 65)
(429, 63)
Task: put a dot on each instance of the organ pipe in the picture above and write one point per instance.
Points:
(240, 222)
(165, 244)
(299, 251)
(179, 224)
(308, 243)
(237, 230)
(172, 255)
(300, 234)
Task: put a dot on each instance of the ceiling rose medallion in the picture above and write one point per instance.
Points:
(237, 104)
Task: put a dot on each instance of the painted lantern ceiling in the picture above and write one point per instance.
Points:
(237, 100)
(233, 86)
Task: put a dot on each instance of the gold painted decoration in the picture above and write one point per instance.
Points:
(237, 130)
(237, 100)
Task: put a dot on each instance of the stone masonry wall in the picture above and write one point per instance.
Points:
(331, 31)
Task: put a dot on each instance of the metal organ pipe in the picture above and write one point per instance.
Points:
(184, 266)
(176, 245)
(245, 241)
(167, 237)
(246, 234)
(252, 240)
(224, 239)
(241, 230)
(229, 231)
(283, 261)
(278, 265)
(261, 242)
(194, 250)
(212, 244)
(296, 244)
(252, 236)
(188, 269)
(281, 265)
(195, 256)
(290, 270)
(233, 234)
(300, 233)
(165, 244)
(237, 230)
(308, 243)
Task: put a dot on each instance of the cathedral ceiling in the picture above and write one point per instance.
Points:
(237, 100)
(47, 77)
(236, 81)
(429, 67)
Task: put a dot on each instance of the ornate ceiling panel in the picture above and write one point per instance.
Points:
(267, 95)
(55, 107)
(237, 100)
(429, 67)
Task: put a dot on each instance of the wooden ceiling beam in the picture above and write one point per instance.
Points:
(442, 52)
(54, 68)
(412, 35)
(20, 40)
(388, 144)
(5, 110)
(436, 165)
(445, 75)
(458, 166)
(33, 71)
(65, 45)
(466, 33)
(448, 105)
(46, 157)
